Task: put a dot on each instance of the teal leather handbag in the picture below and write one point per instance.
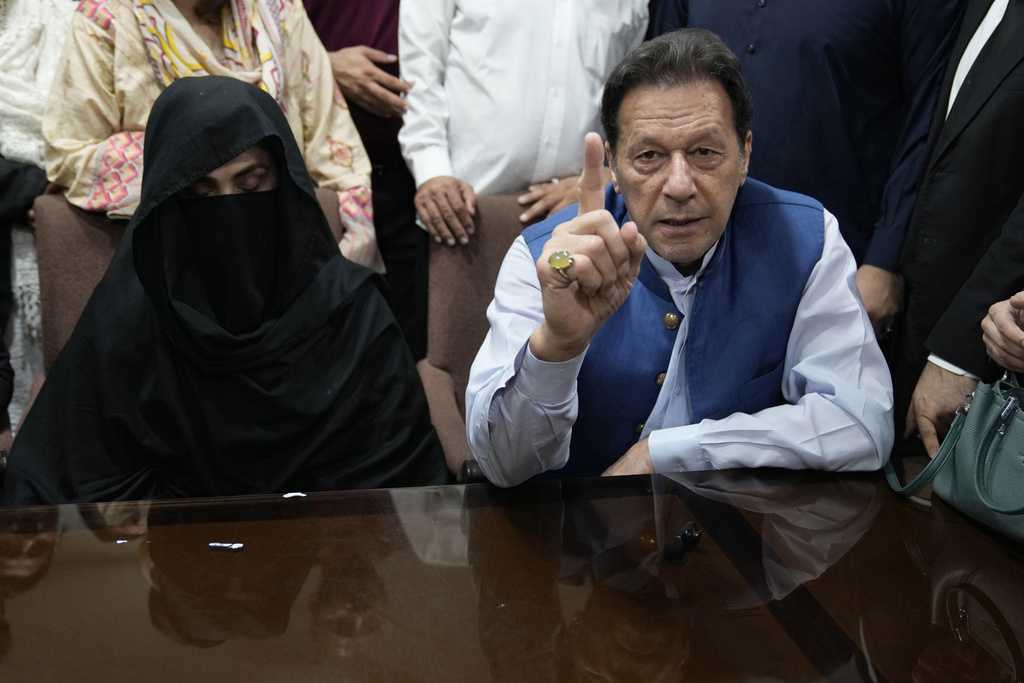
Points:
(979, 468)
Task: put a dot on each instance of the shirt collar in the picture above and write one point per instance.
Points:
(667, 272)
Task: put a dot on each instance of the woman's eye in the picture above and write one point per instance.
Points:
(252, 183)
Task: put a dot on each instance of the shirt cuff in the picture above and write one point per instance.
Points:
(548, 383)
(677, 449)
(949, 367)
(431, 162)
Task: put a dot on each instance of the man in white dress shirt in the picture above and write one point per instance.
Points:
(502, 95)
(716, 325)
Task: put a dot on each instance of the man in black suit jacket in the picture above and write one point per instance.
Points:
(965, 244)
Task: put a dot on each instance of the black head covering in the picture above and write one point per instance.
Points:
(164, 391)
(196, 126)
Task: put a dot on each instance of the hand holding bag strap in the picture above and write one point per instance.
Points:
(981, 485)
(928, 473)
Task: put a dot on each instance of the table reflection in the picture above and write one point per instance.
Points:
(27, 541)
(578, 589)
(795, 577)
(977, 607)
(210, 583)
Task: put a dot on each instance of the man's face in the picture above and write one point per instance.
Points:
(678, 167)
(251, 171)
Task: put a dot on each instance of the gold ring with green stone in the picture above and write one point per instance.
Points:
(560, 261)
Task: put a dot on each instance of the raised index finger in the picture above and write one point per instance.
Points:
(591, 183)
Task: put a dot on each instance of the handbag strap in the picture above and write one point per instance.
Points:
(995, 618)
(925, 476)
(981, 484)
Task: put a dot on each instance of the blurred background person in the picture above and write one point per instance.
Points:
(501, 97)
(32, 34)
(843, 96)
(121, 54)
(362, 39)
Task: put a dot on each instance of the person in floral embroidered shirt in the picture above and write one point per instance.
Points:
(121, 54)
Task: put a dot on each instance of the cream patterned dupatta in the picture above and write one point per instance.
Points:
(253, 33)
(121, 54)
(253, 43)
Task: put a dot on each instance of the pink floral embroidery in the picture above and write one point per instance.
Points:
(97, 12)
(341, 153)
(120, 171)
(305, 68)
(339, 99)
(103, 39)
(357, 203)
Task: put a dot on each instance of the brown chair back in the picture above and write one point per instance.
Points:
(75, 247)
(461, 287)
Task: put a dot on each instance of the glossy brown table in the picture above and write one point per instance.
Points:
(796, 577)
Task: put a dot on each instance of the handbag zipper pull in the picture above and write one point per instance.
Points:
(966, 407)
(1008, 410)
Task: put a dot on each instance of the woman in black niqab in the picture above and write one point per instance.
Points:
(229, 348)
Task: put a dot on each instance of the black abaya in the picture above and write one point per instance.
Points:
(167, 390)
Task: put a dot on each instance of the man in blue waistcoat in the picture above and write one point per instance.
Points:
(687, 317)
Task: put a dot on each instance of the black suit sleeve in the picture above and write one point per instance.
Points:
(999, 274)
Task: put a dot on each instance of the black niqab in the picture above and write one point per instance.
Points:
(231, 257)
(212, 360)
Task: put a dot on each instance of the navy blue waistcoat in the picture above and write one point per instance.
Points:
(740, 324)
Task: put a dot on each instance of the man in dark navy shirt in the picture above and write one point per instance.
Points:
(843, 96)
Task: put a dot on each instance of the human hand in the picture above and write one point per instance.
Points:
(1001, 330)
(363, 82)
(547, 198)
(882, 294)
(358, 241)
(446, 206)
(637, 460)
(936, 397)
(605, 261)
